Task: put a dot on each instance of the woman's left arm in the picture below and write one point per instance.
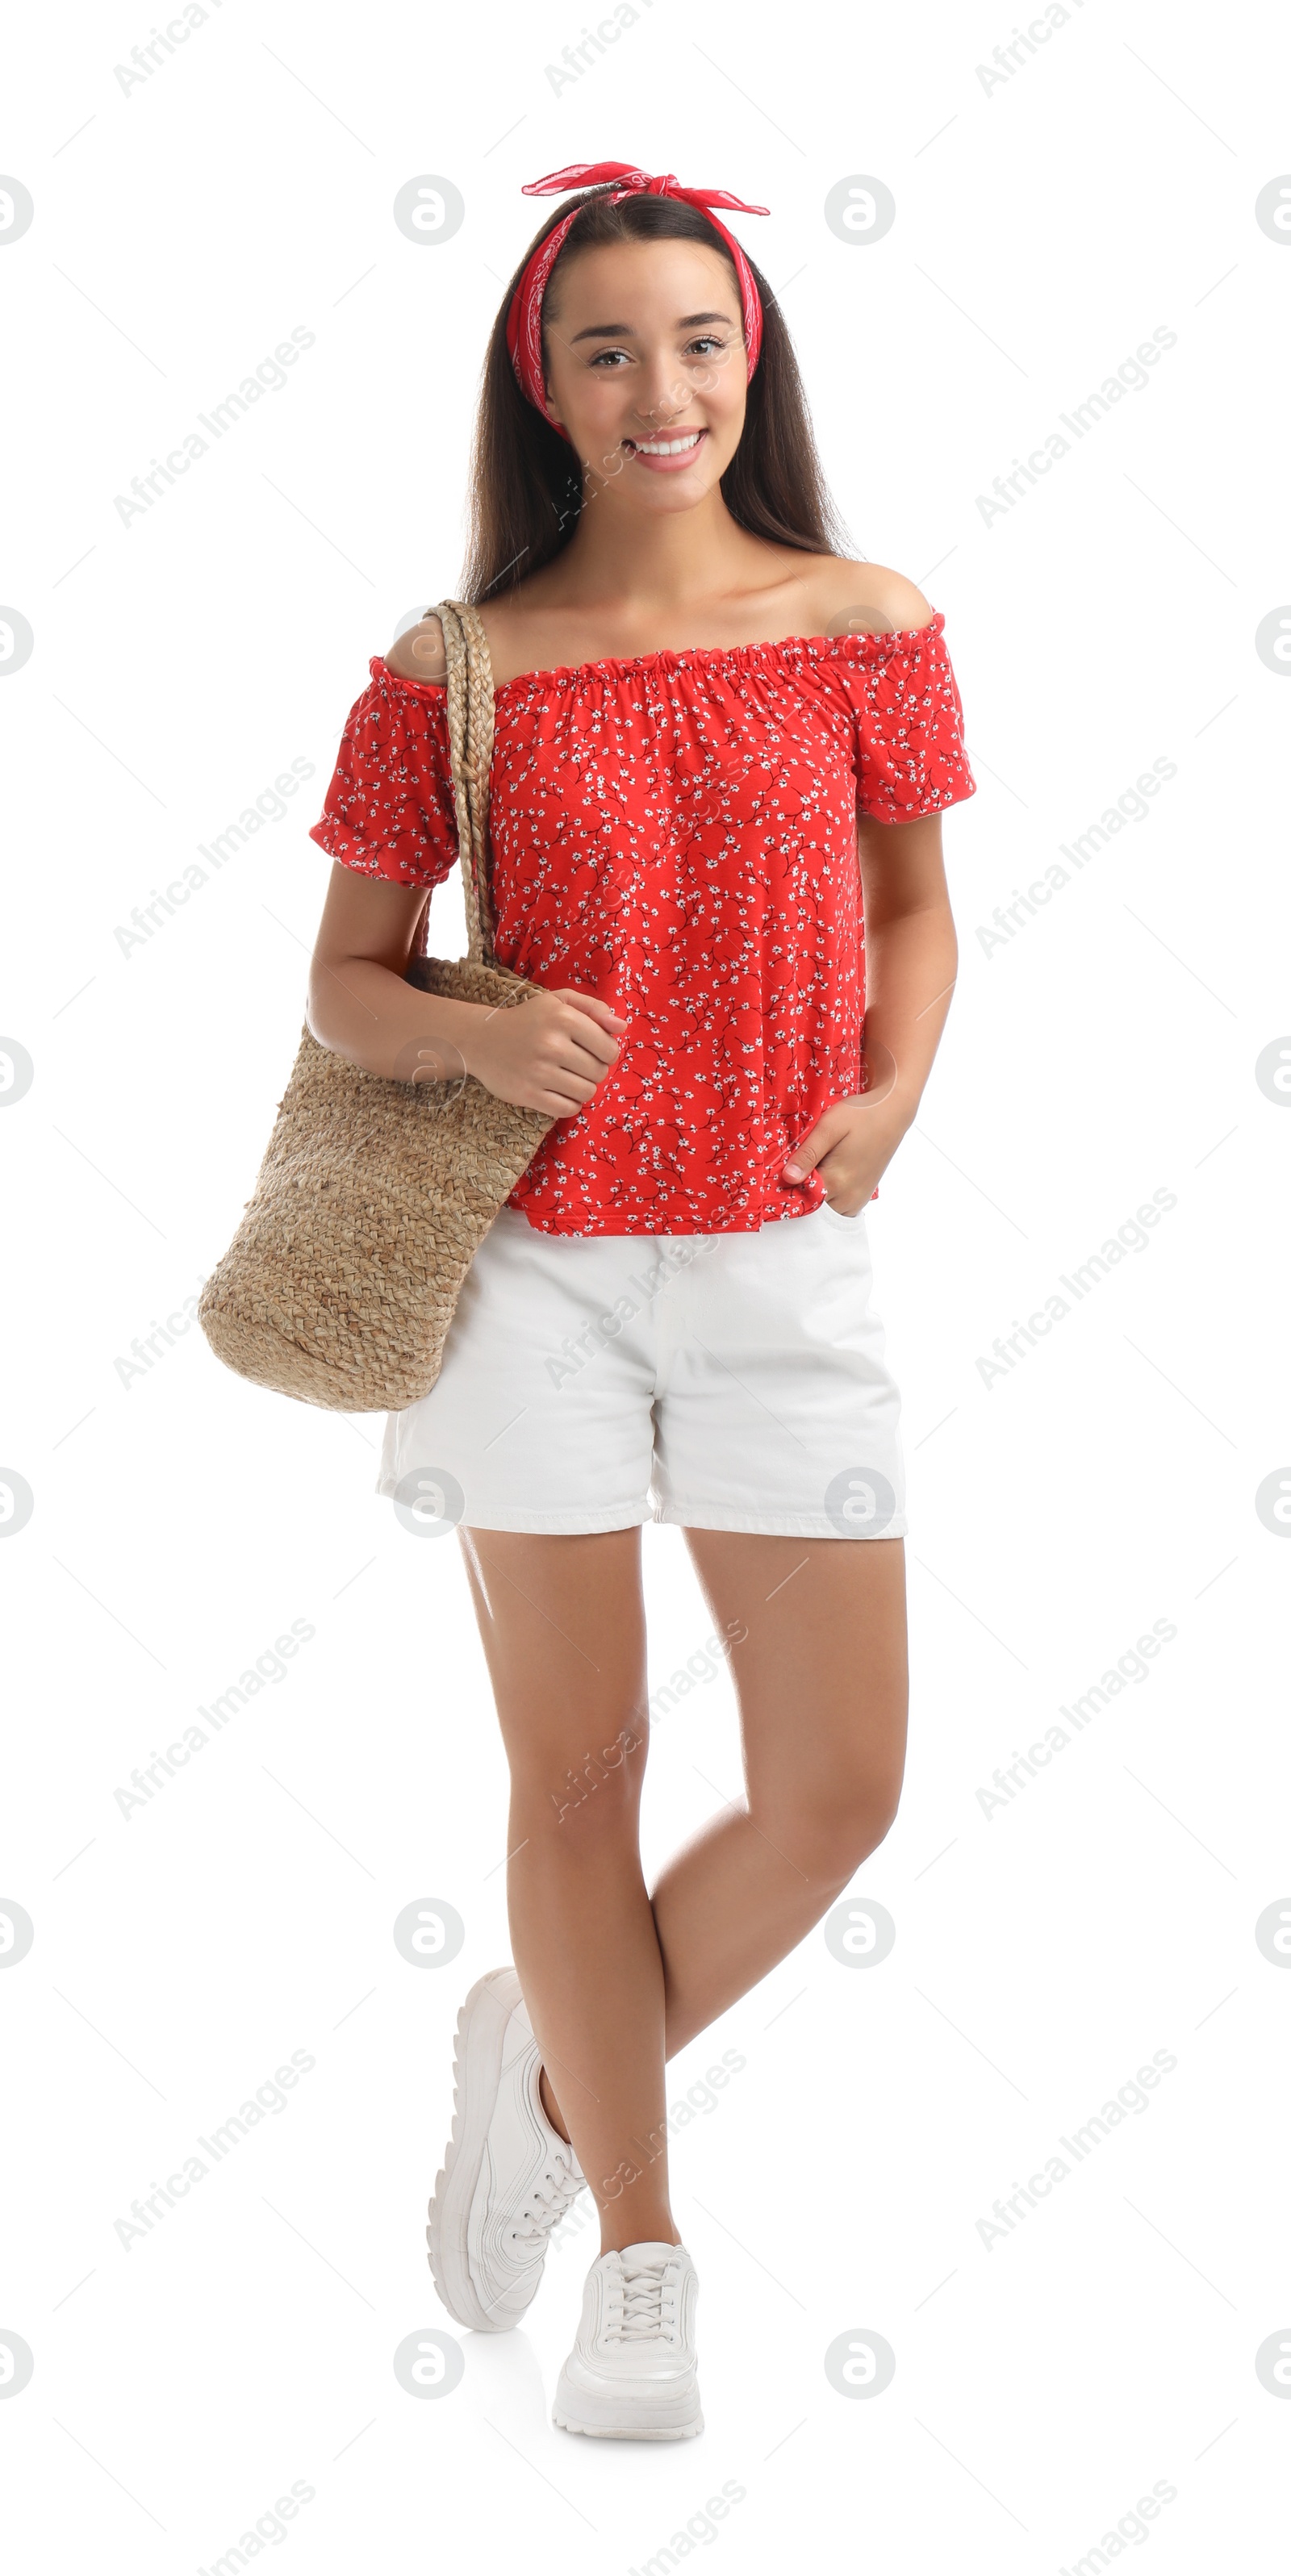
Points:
(911, 956)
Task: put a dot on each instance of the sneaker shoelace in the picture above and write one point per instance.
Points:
(549, 2198)
(638, 2316)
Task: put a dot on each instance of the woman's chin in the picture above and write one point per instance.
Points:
(660, 493)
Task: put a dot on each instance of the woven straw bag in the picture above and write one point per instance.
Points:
(340, 1283)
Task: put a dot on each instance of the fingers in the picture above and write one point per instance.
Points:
(586, 1045)
(592, 1004)
(585, 1059)
(572, 1090)
(804, 1158)
(562, 1090)
(846, 1196)
(829, 1130)
(573, 1069)
(837, 1186)
(561, 1046)
(554, 1105)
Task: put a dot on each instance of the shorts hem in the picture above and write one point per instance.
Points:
(573, 1523)
(771, 1524)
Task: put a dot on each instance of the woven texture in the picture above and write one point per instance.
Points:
(340, 1284)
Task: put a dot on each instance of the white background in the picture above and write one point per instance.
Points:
(183, 1519)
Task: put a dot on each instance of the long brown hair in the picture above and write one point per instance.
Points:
(526, 483)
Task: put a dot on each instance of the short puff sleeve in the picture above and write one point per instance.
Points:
(909, 723)
(390, 811)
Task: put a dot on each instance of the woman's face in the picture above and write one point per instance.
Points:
(645, 354)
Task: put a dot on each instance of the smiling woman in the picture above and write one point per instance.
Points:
(703, 713)
(666, 364)
(533, 474)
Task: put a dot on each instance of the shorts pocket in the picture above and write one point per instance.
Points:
(836, 1216)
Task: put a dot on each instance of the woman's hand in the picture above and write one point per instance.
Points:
(851, 1147)
(547, 1052)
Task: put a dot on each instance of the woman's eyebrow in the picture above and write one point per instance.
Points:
(624, 330)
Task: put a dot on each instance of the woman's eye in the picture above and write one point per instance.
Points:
(705, 346)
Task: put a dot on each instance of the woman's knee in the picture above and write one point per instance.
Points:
(828, 1837)
(570, 1781)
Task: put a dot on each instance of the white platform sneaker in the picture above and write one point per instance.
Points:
(508, 2176)
(631, 2375)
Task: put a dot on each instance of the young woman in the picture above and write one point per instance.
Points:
(703, 711)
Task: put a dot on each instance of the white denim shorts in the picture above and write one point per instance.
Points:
(723, 1381)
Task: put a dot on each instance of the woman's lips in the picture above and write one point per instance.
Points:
(668, 464)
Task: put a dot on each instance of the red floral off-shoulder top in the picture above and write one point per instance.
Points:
(676, 833)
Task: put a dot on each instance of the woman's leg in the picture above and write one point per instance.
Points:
(563, 1627)
(821, 1682)
(613, 1985)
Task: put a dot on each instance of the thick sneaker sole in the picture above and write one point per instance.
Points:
(477, 2063)
(623, 2415)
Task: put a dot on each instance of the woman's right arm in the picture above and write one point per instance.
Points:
(548, 1052)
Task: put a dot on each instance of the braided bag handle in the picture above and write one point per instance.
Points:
(470, 753)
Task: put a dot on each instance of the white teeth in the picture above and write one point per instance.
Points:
(667, 447)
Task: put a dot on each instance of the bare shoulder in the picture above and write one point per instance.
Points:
(865, 598)
(418, 654)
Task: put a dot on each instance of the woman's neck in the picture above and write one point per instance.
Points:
(637, 561)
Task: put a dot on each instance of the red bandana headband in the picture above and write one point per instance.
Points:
(524, 320)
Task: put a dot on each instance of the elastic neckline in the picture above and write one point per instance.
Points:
(696, 656)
